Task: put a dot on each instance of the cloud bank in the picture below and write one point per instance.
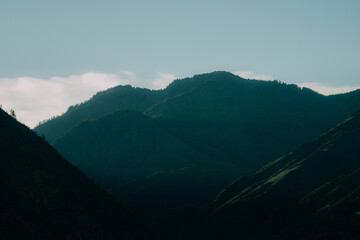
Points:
(163, 80)
(36, 99)
(252, 75)
(326, 89)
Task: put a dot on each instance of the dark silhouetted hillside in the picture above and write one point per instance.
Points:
(151, 170)
(311, 193)
(44, 197)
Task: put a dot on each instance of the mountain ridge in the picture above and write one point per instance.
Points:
(148, 98)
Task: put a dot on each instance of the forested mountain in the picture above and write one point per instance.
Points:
(44, 197)
(207, 121)
(161, 151)
(248, 119)
(100, 105)
(127, 146)
(253, 120)
(310, 193)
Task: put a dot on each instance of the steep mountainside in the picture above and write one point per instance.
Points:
(311, 193)
(127, 146)
(148, 168)
(44, 197)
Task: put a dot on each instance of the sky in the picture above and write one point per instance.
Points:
(58, 53)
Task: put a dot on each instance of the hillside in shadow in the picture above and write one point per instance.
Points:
(44, 197)
(310, 193)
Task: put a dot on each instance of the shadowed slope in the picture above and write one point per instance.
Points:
(44, 197)
(147, 167)
(128, 145)
(292, 196)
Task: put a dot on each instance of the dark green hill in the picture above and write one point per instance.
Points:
(42, 196)
(254, 120)
(100, 105)
(127, 146)
(311, 193)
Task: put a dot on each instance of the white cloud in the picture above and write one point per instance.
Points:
(321, 88)
(127, 74)
(163, 80)
(35, 99)
(326, 89)
(252, 75)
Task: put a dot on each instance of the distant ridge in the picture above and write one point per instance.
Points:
(211, 104)
(100, 105)
(127, 97)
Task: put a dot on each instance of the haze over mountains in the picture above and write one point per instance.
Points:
(165, 150)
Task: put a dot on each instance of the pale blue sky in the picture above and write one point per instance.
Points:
(292, 41)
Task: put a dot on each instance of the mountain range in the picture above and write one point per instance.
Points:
(166, 154)
(216, 120)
